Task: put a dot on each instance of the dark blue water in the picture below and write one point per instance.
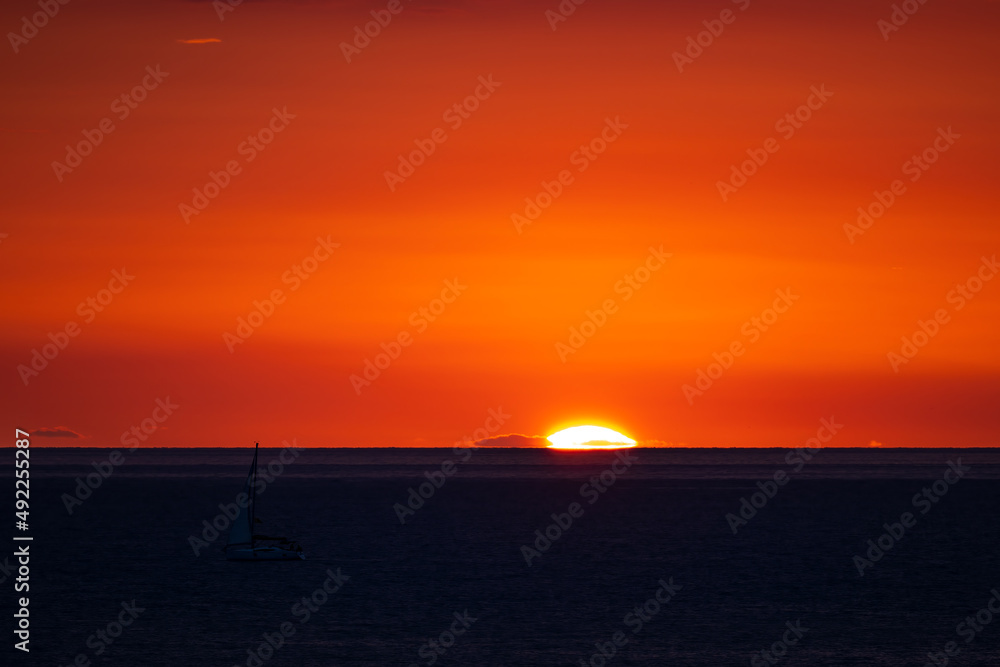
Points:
(663, 519)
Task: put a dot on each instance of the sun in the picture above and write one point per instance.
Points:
(589, 437)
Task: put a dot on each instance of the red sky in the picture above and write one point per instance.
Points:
(323, 175)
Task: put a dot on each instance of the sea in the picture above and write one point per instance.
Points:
(707, 557)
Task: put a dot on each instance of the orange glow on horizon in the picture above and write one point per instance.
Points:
(572, 205)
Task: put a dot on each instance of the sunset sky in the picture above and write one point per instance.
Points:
(648, 206)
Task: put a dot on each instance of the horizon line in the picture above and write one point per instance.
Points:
(61, 446)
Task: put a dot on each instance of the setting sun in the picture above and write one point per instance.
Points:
(589, 437)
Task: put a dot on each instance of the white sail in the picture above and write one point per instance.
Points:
(241, 532)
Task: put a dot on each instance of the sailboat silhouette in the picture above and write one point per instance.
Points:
(243, 543)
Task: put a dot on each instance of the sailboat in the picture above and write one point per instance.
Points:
(243, 543)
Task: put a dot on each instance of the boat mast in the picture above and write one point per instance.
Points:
(253, 493)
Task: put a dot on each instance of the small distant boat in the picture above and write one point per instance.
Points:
(243, 543)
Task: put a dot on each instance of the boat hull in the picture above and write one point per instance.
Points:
(264, 553)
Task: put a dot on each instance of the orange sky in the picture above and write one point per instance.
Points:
(495, 345)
